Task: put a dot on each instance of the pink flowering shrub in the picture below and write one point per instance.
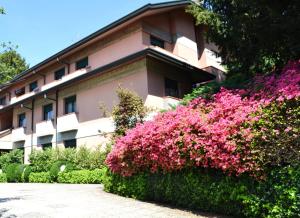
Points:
(216, 133)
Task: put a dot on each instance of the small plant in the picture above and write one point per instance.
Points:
(41, 177)
(3, 178)
(26, 173)
(15, 156)
(11, 172)
(128, 112)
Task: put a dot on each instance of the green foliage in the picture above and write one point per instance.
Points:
(82, 176)
(11, 63)
(41, 177)
(235, 81)
(15, 156)
(11, 172)
(26, 173)
(83, 158)
(41, 161)
(213, 191)
(134, 186)
(2, 11)
(277, 134)
(128, 112)
(3, 178)
(55, 169)
(253, 36)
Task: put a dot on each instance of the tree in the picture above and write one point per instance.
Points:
(253, 36)
(128, 112)
(11, 63)
(2, 10)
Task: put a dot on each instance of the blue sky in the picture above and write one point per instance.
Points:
(43, 27)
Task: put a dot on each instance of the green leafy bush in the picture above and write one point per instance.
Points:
(15, 156)
(55, 169)
(3, 178)
(19, 172)
(11, 172)
(277, 134)
(41, 177)
(26, 173)
(41, 161)
(83, 158)
(213, 191)
(82, 176)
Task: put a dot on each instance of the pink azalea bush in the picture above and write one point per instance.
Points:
(206, 133)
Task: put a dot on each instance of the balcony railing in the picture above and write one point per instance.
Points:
(67, 122)
(5, 138)
(18, 134)
(45, 128)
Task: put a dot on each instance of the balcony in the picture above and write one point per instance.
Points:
(5, 138)
(161, 103)
(18, 134)
(45, 128)
(67, 122)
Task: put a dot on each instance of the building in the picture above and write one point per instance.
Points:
(157, 51)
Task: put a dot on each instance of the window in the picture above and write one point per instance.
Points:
(82, 63)
(72, 143)
(59, 74)
(20, 91)
(22, 120)
(171, 88)
(48, 112)
(33, 86)
(46, 146)
(157, 42)
(70, 105)
(3, 100)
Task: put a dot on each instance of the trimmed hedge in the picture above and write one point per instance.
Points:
(42, 177)
(3, 178)
(11, 172)
(213, 191)
(82, 176)
(26, 173)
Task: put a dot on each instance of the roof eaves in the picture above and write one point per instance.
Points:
(103, 30)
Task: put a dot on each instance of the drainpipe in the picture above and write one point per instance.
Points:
(32, 122)
(56, 115)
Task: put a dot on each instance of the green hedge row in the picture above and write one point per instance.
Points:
(3, 178)
(210, 190)
(82, 176)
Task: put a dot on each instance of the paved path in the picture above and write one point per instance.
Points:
(82, 201)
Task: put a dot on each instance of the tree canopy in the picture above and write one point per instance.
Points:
(11, 63)
(253, 36)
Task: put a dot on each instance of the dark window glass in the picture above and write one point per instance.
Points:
(82, 63)
(3, 101)
(46, 146)
(157, 42)
(48, 112)
(171, 88)
(59, 74)
(72, 143)
(22, 120)
(33, 86)
(70, 105)
(20, 91)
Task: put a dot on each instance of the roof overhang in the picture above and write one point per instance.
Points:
(146, 10)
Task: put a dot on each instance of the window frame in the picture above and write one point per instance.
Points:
(74, 107)
(71, 145)
(62, 72)
(24, 121)
(155, 41)
(82, 63)
(3, 100)
(46, 116)
(20, 91)
(168, 89)
(36, 86)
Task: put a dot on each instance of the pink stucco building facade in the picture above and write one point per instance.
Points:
(156, 51)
